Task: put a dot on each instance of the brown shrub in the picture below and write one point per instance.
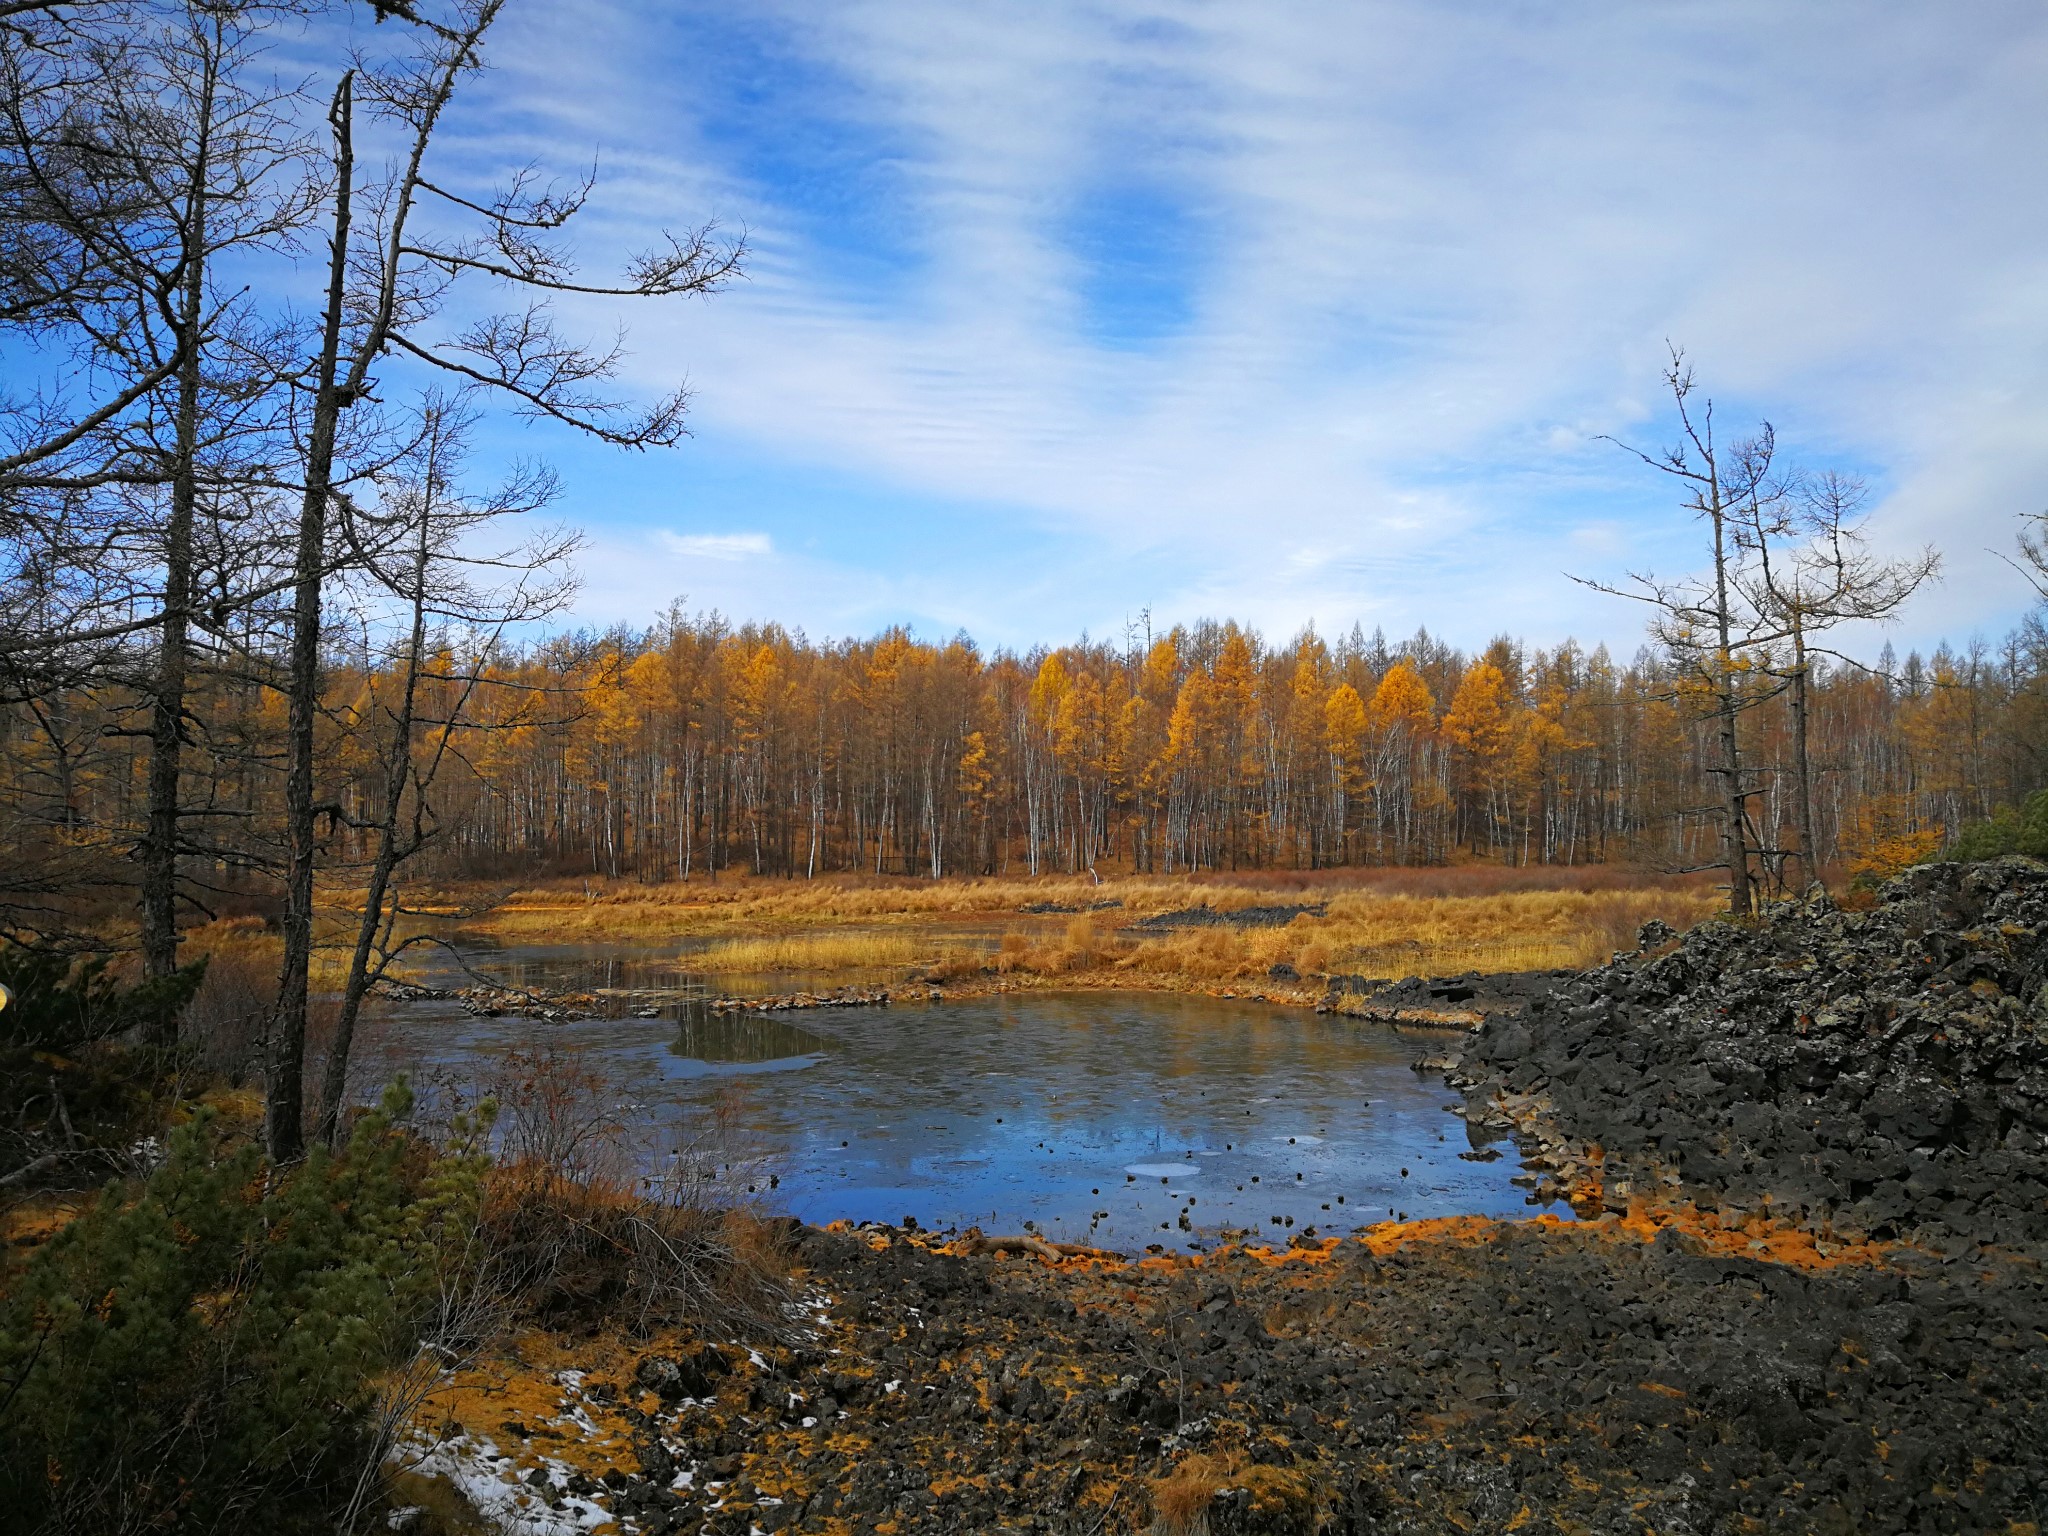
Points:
(575, 1236)
(230, 1015)
(957, 965)
(588, 1251)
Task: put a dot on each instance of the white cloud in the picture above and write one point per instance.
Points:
(1437, 252)
(717, 546)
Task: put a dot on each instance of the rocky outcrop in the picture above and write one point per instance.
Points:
(1453, 1000)
(1882, 1072)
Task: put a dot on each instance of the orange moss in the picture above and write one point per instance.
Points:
(1387, 1237)
(517, 1384)
(32, 1222)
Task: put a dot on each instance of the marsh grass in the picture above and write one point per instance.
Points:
(1376, 922)
(1365, 934)
(753, 907)
(813, 952)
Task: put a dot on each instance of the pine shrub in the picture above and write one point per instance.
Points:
(2009, 830)
(59, 1003)
(202, 1350)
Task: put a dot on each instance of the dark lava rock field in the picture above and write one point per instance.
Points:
(1881, 1072)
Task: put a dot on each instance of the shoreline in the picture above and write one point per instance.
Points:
(1341, 1386)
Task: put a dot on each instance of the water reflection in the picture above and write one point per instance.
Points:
(735, 1044)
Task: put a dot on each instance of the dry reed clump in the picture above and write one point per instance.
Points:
(590, 1251)
(1277, 1497)
(960, 964)
(572, 1235)
(1014, 954)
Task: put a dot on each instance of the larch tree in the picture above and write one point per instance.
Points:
(1479, 724)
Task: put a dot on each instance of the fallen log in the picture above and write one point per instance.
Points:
(23, 1174)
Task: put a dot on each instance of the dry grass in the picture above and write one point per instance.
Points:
(1372, 935)
(812, 952)
(1423, 935)
(619, 908)
(1181, 1500)
(1386, 922)
(1376, 922)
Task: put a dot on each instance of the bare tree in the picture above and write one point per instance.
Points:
(389, 280)
(2033, 545)
(439, 579)
(1699, 621)
(1812, 569)
(141, 148)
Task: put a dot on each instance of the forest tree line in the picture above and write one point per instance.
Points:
(697, 747)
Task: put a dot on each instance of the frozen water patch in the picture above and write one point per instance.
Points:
(1161, 1170)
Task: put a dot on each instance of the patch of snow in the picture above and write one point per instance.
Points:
(490, 1482)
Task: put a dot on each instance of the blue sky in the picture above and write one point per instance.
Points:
(1289, 312)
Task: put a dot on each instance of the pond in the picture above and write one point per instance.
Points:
(1120, 1119)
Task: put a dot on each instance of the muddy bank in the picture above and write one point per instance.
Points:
(1450, 1376)
(1881, 1073)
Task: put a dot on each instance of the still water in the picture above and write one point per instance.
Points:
(1122, 1119)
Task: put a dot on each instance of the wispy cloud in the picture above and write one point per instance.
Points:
(717, 546)
(1144, 303)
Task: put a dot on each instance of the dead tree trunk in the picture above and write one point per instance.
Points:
(284, 1106)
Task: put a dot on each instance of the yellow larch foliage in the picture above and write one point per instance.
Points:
(1479, 718)
(1403, 700)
